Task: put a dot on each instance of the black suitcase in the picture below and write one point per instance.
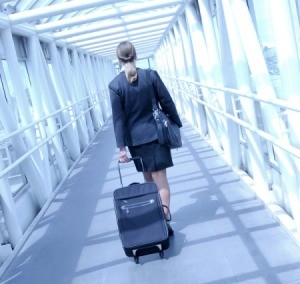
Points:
(140, 217)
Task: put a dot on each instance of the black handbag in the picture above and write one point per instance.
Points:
(168, 131)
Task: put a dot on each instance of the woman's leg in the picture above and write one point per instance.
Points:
(148, 176)
(160, 178)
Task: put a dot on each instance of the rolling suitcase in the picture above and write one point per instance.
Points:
(140, 217)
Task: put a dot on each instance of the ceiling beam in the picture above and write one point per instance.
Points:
(113, 48)
(6, 1)
(137, 44)
(116, 41)
(62, 8)
(112, 24)
(111, 32)
(29, 4)
(114, 56)
(99, 39)
(97, 16)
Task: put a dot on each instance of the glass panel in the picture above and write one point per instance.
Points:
(16, 177)
(263, 22)
(11, 95)
(143, 63)
(262, 18)
(26, 84)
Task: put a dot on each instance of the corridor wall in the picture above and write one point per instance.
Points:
(53, 101)
(236, 67)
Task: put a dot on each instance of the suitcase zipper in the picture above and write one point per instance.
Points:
(135, 205)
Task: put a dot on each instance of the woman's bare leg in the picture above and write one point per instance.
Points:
(160, 178)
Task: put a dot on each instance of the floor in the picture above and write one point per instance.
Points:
(223, 233)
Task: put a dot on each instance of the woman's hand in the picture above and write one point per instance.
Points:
(123, 156)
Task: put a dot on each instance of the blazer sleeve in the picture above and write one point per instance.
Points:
(117, 114)
(165, 99)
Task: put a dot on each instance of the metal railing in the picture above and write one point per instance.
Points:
(37, 122)
(237, 93)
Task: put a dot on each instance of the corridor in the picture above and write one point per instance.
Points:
(223, 232)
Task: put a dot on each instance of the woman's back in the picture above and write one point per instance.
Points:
(135, 101)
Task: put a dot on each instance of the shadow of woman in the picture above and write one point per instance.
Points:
(203, 209)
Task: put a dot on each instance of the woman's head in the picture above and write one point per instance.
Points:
(127, 55)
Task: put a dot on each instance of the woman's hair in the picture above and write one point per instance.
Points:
(127, 55)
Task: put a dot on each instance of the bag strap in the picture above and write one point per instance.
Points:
(153, 98)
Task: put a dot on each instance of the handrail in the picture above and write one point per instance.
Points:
(31, 151)
(234, 92)
(277, 142)
(18, 131)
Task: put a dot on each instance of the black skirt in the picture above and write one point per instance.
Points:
(155, 157)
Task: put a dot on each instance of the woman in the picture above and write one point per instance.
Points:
(134, 125)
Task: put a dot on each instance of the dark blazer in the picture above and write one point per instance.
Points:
(132, 108)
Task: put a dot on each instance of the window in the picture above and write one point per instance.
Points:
(16, 178)
(143, 63)
(8, 155)
(10, 93)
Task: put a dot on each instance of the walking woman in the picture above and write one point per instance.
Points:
(134, 125)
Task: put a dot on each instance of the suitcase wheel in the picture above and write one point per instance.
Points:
(129, 252)
(148, 250)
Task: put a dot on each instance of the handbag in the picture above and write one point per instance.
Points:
(168, 131)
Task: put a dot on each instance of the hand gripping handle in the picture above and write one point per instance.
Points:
(133, 158)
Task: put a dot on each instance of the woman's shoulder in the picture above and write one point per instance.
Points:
(114, 82)
(148, 72)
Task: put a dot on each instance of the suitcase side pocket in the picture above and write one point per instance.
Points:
(137, 205)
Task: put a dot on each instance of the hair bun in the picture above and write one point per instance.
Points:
(131, 58)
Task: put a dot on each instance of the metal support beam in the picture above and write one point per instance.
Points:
(145, 32)
(57, 9)
(121, 30)
(115, 42)
(107, 25)
(93, 17)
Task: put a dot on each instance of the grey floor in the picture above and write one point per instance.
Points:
(223, 233)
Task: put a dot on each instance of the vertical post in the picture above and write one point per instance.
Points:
(192, 71)
(37, 98)
(81, 92)
(71, 94)
(242, 77)
(190, 17)
(106, 78)
(231, 143)
(84, 73)
(288, 61)
(204, 68)
(58, 98)
(99, 92)
(172, 71)
(229, 133)
(182, 70)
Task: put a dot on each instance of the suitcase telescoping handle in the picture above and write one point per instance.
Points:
(133, 158)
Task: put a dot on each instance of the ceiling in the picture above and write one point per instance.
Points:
(98, 26)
